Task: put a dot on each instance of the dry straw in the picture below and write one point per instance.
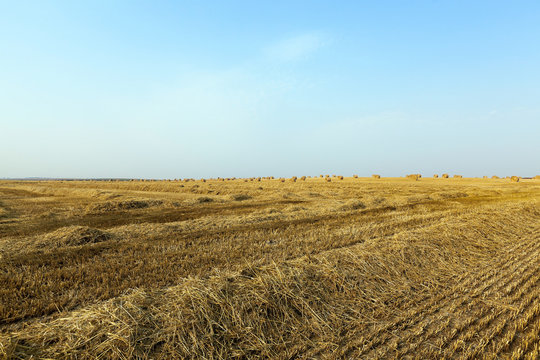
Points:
(415, 177)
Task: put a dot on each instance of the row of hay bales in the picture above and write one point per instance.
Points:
(328, 178)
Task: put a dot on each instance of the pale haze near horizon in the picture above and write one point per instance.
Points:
(167, 89)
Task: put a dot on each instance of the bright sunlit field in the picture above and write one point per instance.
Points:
(270, 268)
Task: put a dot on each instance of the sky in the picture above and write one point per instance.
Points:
(191, 89)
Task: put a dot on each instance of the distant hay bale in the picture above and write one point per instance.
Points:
(282, 180)
(495, 177)
(484, 177)
(74, 236)
(375, 176)
(203, 180)
(321, 175)
(303, 178)
(445, 176)
(458, 176)
(415, 177)
(514, 179)
(355, 176)
(436, 176)
(537, 177)
(293, 179)
(340, 177)
(328, 179)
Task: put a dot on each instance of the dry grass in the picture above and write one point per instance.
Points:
(355, 268)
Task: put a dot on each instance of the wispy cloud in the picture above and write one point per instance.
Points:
(296, 47)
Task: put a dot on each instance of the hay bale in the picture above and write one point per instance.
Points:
(436, 176)
(375, 176)
(282, 180)
(514, 179)
(355, 176)
(328, 179)
(445, 176)
(484, 177)
(415, 177)
(537, 177)
(303, 178)
(495, 177)
(74, 236)
(340, 177)
(458, 176)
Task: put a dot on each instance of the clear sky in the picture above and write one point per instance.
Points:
(174, 89)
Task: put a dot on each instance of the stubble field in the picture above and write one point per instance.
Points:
(354, 268)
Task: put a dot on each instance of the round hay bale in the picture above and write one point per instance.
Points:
(458, 176)
(375, 176)
(436, 176)
(328, 179)
(514, 179)
(415, 177)
(355, 176)
(445, 176)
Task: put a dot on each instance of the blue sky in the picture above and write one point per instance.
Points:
(174, 89)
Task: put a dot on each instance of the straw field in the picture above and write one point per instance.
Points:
(263, 268)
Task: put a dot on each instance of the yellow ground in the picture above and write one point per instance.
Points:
(353, 268)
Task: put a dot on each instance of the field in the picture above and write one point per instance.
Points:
(342, 269)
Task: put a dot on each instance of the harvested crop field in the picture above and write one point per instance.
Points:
(352, 268)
